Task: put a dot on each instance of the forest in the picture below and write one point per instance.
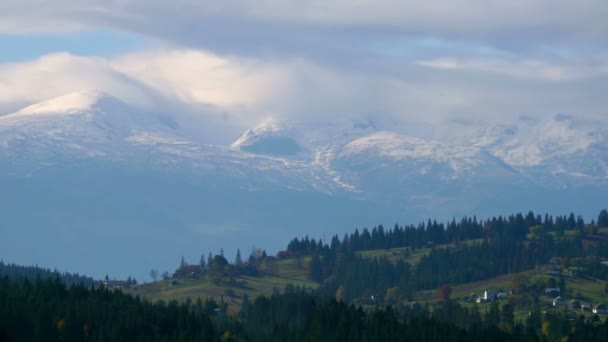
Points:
(48, 310)
(358, 298)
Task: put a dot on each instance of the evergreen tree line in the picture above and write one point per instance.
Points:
(17, 273)
(500, 245)
(48, 310)
(433, 233)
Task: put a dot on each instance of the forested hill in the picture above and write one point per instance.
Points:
(48, 311)
(18, 274)
(454, 253)
(369, 286)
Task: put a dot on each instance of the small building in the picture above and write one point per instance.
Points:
(600, 309)
(559, 301)
(192, 268)
(586, 307)
(555, 261)
(575, 304)
(116, 284)
(552, 291)
(284, 255)
(502, 295)
(489, 295)
(191, 271)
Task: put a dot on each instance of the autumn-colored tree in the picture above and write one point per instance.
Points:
(340, 293)
(444, 293)
(393, 295)
(565, 262)
(520, 283)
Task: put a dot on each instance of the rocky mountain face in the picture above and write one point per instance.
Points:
(90, 175)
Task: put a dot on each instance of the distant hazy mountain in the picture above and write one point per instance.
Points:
(99, 186)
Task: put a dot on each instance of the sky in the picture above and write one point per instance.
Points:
(398, 63)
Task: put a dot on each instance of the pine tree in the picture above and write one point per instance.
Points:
(602, 219)
(202, 263)
(238, 261)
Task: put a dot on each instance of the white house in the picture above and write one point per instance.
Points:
(489, 295)
(600, 309)
(559, 301)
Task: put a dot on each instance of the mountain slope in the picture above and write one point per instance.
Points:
(561, 151)
(87, 174)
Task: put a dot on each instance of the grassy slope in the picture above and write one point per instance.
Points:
(287, 272)
(413, 257)
(591, 289)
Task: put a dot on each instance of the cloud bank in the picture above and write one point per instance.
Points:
(398, 63)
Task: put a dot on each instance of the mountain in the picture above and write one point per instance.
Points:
(561, 151)
(268, 139)
(89, 175)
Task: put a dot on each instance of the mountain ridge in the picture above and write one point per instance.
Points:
(91, 165)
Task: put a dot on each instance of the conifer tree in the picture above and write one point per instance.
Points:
(202, 262)
(238, 261)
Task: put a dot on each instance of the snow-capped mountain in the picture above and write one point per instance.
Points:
(83, 124)
(557, 151)
(269, 138)
(90, 174)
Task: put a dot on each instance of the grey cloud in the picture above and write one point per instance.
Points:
(342, 60)
(324, 29)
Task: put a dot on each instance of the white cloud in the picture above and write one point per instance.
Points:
(233, 93)
(197, 77)
(57, 74)
(535, 70)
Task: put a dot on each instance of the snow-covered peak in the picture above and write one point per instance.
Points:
(535, 143)
(271, 137)
(84, 123)
(395, 146)
(268, 127)
(72, 103)
(79, 109)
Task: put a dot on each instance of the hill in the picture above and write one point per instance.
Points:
(277, 276)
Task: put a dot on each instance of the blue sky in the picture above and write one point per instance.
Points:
(94, 42)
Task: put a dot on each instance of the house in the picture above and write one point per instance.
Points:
(284, 255)
(559, 301)
(116, 284)
(552, 291)
(575, 304)
(556, 261)
(489, 295)
(586, 307)
(192, 268)
(501, 295)
(600, 309)
(191, 271)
